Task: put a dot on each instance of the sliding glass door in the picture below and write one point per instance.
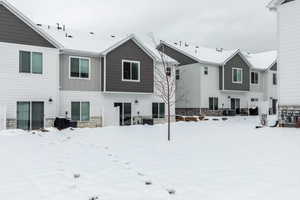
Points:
(125, 113)
(30, 115)
(37, 115)
(23, 115)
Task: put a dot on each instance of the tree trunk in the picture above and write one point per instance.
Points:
(169, 114)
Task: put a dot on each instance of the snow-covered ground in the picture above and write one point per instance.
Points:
(206, 160)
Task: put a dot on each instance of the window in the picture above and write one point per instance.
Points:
(79, 68)
(254, 100)
(177, 74)
(80, 111)
(237, 75)
(254, 77)
(30, 62)
(131, 70)
(274, 79)
(158, 110)
(205, 70)
(168, 71)
(213, 103)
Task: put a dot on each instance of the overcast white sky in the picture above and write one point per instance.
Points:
(244, 24)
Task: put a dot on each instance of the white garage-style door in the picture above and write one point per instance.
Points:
(2, 117)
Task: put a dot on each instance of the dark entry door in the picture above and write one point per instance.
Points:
(274, 106)
(37, 115)
(125, 113)
(236, 105)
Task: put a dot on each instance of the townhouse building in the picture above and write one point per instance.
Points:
(288, 44)
(211, 81)
(95, 80)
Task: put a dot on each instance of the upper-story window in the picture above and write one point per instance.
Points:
(79, 68)
(254, 77)
(131, 70)
(237, 75)
(30, 62)
(177, 74)
(274, 79)
(205, 70)
(168, 71)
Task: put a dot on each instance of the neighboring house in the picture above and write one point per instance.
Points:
(92, 79)
(288, 32)
(264, 78)
(210, 81)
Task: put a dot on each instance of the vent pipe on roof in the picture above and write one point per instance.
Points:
(39, 24)
(92, 33)
(219, 49)
(64, 27)
(186, 44)
(112, 36)
(58, 26)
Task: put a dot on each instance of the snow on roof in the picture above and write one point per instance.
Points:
(203, 54)
(263, 60)
(98, 43)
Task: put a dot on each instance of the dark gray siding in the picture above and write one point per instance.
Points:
(236, 62)
(274, 67)
(14, 30)
(179, 57)
(129, 51)
(221, 77)
(102, 73)
(79, 84)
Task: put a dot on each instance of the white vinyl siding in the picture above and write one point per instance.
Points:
(29, 86)
(289, 51)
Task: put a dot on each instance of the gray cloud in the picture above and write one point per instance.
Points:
(244, 24)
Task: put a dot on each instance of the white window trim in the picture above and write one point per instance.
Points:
(80, 109)
(257, 78)
(79, 78)
(139, 74)
(31, 63)
(240, 69)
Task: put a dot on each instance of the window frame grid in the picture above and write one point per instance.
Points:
(31, 52)
(139, 70)
(238, 69)
(80, 105)
(79, 78)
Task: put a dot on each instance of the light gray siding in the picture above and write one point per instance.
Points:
(93, 84)
(129, 51)
(236, 62)
(14, 30)
(176, 55)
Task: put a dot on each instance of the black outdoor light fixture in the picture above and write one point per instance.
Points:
(136, 101)
(50, 100)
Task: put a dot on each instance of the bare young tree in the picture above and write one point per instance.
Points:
(165, 81)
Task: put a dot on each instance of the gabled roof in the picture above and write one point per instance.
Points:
(275, 3)
(30, 23)
(262, 61)
(206, 55)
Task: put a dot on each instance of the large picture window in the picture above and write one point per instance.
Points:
(130, 70)
(237, 75)
(30, 62)
(213, 103)
(79, 68)
(254, 77)
(158, 110)
(80, 111)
